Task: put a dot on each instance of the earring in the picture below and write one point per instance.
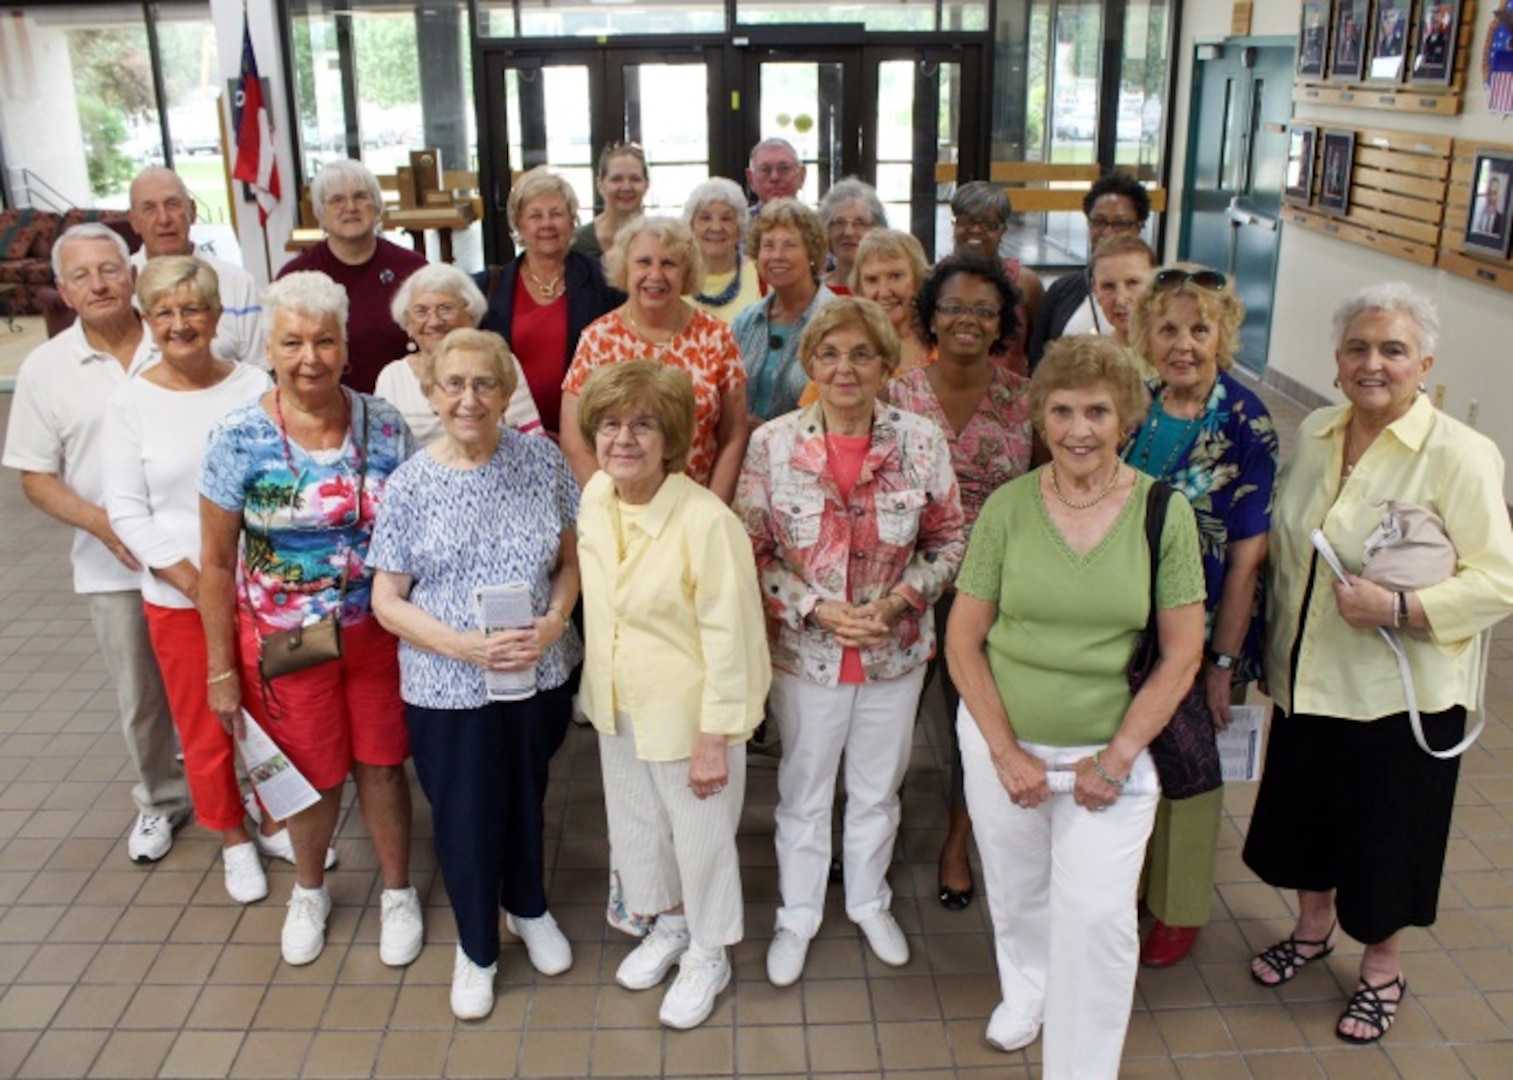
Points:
(410, 346)
(1422, 387)
(1336, 380)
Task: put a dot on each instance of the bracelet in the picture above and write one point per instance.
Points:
(1397, 619)
(225, 676)
(1104, 775)
(1402, 608)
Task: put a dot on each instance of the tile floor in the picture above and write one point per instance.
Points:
(114, 970)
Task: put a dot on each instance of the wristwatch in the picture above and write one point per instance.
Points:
(1222, 661)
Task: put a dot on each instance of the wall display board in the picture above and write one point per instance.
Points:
(1400, 55)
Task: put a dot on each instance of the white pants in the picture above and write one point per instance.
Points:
(146, 721)
(873, 725)
(671, 847)
(1061, 886)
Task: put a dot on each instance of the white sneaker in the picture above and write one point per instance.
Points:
(402, 930)
(886, 938)
(690, 999)
(305, 926)
(151, 838)
(279, 846)
(472, 988)
(650, 961)
(545, 944)
(785, 958)
(1009, 1033)
(245, 881)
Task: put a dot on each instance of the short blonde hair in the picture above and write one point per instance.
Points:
(1219, 306)
(847, 311)
(1084, 361)
(539, 183)
(890, 244)
(170, 273)
(1122, 244)
(485, 343)
(676, 239)
(666, 392)
(792, 214)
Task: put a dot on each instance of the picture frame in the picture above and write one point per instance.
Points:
(1313, 39)
(1489, 222)
(1391, 28)
(1302, 141)
(1337, 162)
(1436, 43)
(1347, 57)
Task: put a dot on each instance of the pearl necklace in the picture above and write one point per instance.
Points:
(1094, 501)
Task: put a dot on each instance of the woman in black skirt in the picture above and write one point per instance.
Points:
(1352, 811)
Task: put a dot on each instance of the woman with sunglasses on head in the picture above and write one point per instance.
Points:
(621, 183)
(1211, 438)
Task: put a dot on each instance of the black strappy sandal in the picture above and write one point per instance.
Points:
(1367, 1006)
(1286, 961)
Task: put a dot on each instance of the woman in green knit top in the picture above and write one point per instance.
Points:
(1050, 600)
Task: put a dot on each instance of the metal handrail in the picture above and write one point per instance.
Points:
(55, 199)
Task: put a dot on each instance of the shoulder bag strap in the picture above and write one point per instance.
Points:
(1156, 501)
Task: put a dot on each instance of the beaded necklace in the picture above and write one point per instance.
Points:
(729, 293)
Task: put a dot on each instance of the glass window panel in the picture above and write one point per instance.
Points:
(1076, 48)
(675, 141)
(1143, 88)
(586, 18)
(899, 15)
(192, 86)
(801, 102)
(317, 84)
(385, 49)
(559, 135)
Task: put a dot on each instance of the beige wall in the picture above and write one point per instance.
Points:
(1475, 361)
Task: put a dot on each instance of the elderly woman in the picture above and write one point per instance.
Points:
(676, 672)
(1052, 597)
(716, 212)
(967, 307)
(621, 183)
(1210, 438)
(1352, 811)
(291, 484)
(656, 262)
(788, 243)
(482, 506)
(152, 444)
(980, 214)
(429, 305)
(542, 300)
(849, 211)
(890, 267)
(1120, 270)
(853, 509)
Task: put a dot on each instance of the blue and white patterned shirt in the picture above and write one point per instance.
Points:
(453, 530)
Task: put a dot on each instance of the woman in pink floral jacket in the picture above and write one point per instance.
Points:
(856, 519)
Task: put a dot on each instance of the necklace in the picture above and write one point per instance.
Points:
(549, 289)
(1094, 501)
(1147, 444)
(728, 294)
(1349, 466)
(644, 334)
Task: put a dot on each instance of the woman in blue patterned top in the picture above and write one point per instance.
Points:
(1210, 438)
(479, 507)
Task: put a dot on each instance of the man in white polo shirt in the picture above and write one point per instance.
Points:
(161, 212)
(54, 441)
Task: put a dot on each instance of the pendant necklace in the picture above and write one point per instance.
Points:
(548, 289)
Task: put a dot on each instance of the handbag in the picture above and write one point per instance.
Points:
(1186, 750)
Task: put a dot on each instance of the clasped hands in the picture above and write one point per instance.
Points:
(510, 650)
(860, 626)
(1023, 776)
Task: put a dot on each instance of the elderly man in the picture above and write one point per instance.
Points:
(162, 211)
(348, 203)
(54, 441)
(774, 172)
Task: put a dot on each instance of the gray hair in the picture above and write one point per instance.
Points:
(309, 293)
(1391, 296)
(442, 278)
(342, 175)
(169, 273)
(90, 230)
(853, 189)
(717, 189)
(773, 143)
(978, 198)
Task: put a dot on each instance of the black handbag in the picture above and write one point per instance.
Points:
(1186, 751)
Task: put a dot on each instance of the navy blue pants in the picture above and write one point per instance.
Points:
(484, 771)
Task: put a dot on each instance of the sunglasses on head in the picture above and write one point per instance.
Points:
(1203, 279)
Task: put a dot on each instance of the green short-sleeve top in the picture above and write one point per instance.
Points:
(1067, 623)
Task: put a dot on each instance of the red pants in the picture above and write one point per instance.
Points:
(178, 639)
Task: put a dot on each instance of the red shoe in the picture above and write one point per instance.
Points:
(1167, 945)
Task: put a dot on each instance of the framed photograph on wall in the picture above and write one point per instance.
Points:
(1389, 40)
(1301, 141)
(1347, 61)
(1438, 32)
(1489, 225)
(1313, 39)
(1338, 160)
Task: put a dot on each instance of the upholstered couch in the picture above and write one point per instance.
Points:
(26, 245)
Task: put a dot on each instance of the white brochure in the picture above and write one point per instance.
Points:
(281, 787)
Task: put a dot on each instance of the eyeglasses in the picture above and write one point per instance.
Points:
(968, 222)
(1117, 224)
(482, 386)
(640, 427)
(355, 198)
(445, 312)
(954, 310)
(1203, 279)
(841, 224)
(781, 168)
(189, 313)
(828, 356)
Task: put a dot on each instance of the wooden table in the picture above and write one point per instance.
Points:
(444, 219)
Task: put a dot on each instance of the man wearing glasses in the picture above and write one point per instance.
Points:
(1115, 205)
(774, 172)
(54, 442)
